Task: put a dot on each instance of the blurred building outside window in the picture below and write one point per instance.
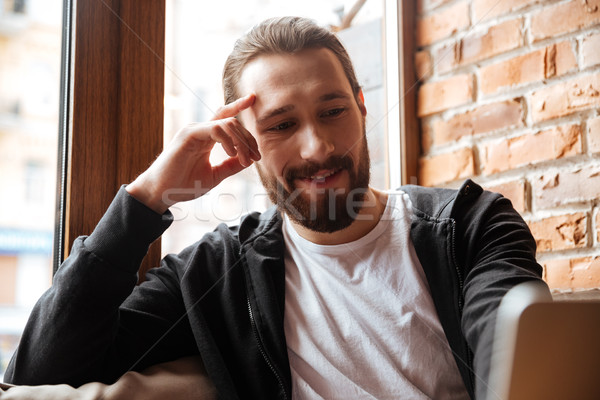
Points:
(30, 51)
(16, 6)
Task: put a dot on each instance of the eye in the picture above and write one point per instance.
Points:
(282, 126)
(334, 112)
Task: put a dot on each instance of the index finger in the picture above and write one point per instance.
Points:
(234, 108)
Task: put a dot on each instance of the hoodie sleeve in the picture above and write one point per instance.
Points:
(79, 332)
(501, 254)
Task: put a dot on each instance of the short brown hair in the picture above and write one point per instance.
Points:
(282, 35)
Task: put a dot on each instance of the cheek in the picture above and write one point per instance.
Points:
(274, 148)
(267, 163)
(275, 158)
(353, 133)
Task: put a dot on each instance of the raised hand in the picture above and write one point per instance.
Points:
(183, 171)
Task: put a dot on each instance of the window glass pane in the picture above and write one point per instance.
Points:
(199, 37)
(30, 51)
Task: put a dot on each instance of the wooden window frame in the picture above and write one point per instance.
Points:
(401, 87)
(112, 109)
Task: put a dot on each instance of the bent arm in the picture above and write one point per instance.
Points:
(77, 332)
(501, 255)
(82, 329)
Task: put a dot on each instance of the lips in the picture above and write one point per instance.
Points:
(323, 175)
(320, 175)
(322, 179)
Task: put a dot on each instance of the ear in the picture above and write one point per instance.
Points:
(361, 103)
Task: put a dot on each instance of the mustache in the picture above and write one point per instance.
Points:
(310, 168)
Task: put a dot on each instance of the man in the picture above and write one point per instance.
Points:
(340, 291)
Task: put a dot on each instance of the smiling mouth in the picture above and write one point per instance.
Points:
(319, 175)
(322, 176)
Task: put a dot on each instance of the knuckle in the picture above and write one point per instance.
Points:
(229, 121)
(184, 132)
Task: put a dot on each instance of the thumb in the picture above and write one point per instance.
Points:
(227, 168)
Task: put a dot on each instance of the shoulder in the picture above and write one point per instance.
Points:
(219, 245)
(257, 224)
(441, 203)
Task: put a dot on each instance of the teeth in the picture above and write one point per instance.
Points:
(323, 176)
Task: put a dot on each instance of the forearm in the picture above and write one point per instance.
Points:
(70, 323)
(182, 379)
(504, 257)
(71, 331)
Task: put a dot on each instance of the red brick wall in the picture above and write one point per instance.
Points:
(509, 96)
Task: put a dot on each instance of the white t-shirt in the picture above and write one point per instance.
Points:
(359, 318)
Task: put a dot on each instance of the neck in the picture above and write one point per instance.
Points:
(368, 217)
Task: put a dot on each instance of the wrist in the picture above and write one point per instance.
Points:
(143, 192)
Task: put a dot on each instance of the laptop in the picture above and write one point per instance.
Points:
(543, 349)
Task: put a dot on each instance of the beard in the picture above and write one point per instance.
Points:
(326, 210)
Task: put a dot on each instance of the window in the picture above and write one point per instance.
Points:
(29, 93)
(35, 182)
(15, 6)
(19, 6)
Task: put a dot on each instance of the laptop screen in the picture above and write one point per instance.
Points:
(544, 349)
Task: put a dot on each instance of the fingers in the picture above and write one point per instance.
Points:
(234, 108)
(229, 167)
(229, 132)
(236, 141)
(234, 138)
(224, 134)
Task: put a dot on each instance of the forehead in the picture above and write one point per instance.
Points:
(277, 76)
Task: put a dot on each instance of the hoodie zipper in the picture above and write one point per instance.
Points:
(460, 301)
(261, 348)
(457, 268)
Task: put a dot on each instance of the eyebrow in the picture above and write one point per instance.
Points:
(334, 96)
(282, 110)
(274, 113)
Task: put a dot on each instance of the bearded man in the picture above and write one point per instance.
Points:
(340, 291)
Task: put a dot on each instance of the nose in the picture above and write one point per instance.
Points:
(315, 144)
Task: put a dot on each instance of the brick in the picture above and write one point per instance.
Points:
(426, 137)
(486, 118)
(514, 191)
(442, 24)
(565, 17)
(498, 39)
(560, 59)
(594, 135)
(439, 96)
(561, 232)
(597, 226)
(555, 143)
(548, 62)
(564, 187)
(579, 273)
(590, 49)
(516, 71)
(480, 45)
(423, 64)
(447, 58)
(565, 98)
(486, 9)
(446, 167)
